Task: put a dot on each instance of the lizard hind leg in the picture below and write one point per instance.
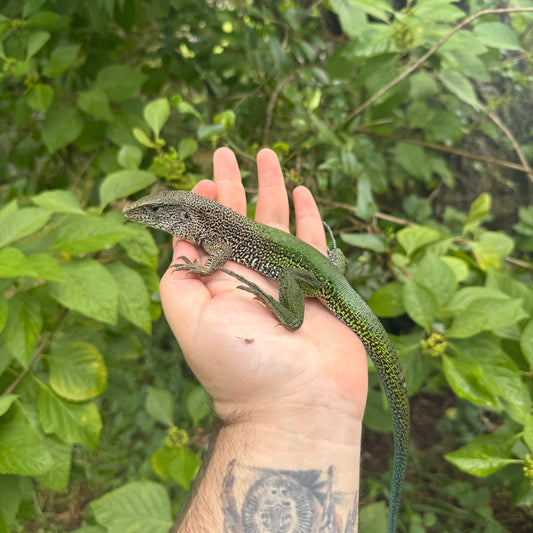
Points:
(289, 309)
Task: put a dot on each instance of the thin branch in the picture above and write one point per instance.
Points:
(272, 103)
(429, 53)
(457, 151)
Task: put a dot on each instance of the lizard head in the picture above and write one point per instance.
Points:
(175, 212)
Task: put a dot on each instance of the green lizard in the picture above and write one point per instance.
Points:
(301, 271)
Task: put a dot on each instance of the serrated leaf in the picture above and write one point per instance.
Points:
(14, 264)
(411, 239)
(419, 303)
(22, 451)
(198, 404)
(459, 85)
(497, 35)
(485, 455)
(180, 463)
(133, 300)
(23, 325)
(137, 506)
(88, 289)
(387, 301)
(80, 234)
(61, 127)
(21, 223)
(77, 371)
(71, 422)
(119, 82)
(123, 183)
(159, 405)
(95, 102)
(58, 201)
(156, 114)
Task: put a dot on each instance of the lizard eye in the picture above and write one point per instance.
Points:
(154, 208)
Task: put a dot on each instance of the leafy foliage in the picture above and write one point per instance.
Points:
(408, 125)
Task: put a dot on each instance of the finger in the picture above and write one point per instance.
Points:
(272, 201)
(230, 191)
(309, 226)
(206, 188)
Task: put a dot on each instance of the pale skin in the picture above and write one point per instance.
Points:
(288, 400)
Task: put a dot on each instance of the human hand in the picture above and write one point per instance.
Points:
(254, 368)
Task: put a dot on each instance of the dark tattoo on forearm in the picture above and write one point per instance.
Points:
(284, 501)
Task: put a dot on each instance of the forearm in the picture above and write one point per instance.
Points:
(275, 475)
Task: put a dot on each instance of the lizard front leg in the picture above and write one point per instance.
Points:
(294, 285)
(220, 254)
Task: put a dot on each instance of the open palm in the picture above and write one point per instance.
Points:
(250, 365)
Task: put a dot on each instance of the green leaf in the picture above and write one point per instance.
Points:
(141, 247)
(477, 309)
(13, 490)
(6, 402)
(40, 97)
(95, 102)
(137, 506)
(133, 300)
(21, 223)
(119, 82)
(419, 303)
(374, 518)
(458, 266)
(58, 201)
(368, 241)
(366, 206)
(437, 277)
(411, 239)
(186, 148)
(185, 107)
(129, 157)
(22, 451)
(123, 183)
(58, 476)
(71, 422)
(526, 342)
(178, 462)
(61, 58)
(61, 127)
(89, 289)
(528, 432)
(387, 301)
(414, 160)
(484, 374)
(156, 114)
(198, 404)
(159, 405)
(208, 131)
(479, 209)
(23, 325)
(491, 249)
(4, 309)
(35, 42)
(352, 18)
(485, 455)
(497, 35)
(455, 82)
(437, 10)
(77, 371)
(14, 264)
(79, 234)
